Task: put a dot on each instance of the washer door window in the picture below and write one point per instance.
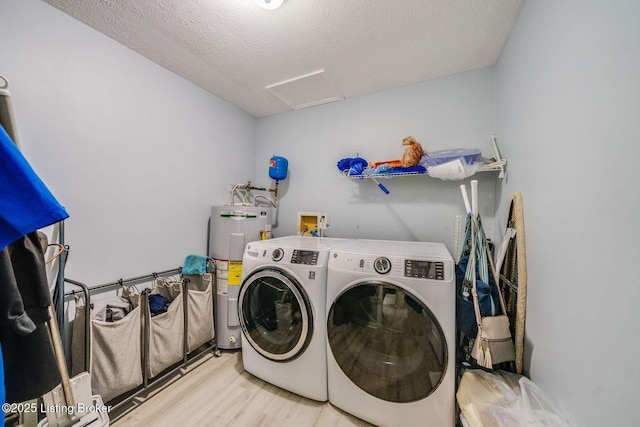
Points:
(387, 342)
(275, 314)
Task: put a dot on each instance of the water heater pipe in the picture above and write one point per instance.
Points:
(248, 186)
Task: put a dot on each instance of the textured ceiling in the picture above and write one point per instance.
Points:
(235, 50)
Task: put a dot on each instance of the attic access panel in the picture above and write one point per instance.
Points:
(306, 90)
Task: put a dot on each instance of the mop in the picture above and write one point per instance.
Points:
(382, 187)
(70, 403)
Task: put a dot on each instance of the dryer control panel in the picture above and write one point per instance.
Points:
(418, 268)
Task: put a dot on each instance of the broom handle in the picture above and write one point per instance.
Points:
(474, 197)
(382, 187)
(60, 359)
(465, 198)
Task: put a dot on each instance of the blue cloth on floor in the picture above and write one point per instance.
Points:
(195, 264)
(27, 204)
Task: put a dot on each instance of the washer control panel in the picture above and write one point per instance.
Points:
(424, 269)
(311, 257)
(305, 257)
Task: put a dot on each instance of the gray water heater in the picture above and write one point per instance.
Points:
(231, 228)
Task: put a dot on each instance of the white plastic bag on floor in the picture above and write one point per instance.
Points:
(504, 399)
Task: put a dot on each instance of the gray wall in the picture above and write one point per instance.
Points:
(451, 112)
(568, 99)
(135, 153)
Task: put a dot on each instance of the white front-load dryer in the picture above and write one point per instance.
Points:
(281, 307)
(391, 332)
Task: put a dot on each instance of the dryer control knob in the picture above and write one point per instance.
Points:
(382, 265)
(277, 254)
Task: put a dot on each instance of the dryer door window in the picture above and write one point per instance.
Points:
(275, 314)
(387, 342)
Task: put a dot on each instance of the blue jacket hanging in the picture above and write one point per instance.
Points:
(26, 204)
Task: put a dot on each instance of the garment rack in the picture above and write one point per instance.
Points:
(186, 357)
(123, 282)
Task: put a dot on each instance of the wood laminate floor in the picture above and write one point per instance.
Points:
(216, 391)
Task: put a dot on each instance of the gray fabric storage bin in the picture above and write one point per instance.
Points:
(200, 324)
(166, 330)
(78, 339)
(116, 355)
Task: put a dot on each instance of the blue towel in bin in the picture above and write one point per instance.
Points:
(195, 264)
(158, 304)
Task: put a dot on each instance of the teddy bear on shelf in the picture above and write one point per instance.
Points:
(413, 153)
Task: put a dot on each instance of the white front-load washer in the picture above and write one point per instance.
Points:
(391, 332)
(281, 307)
